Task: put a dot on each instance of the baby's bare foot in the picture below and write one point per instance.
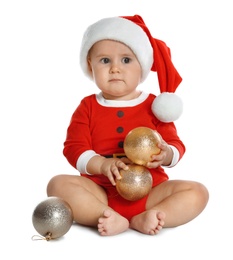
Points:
(149, 222)
(111, 223)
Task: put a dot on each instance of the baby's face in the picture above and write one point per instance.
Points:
(115, 70)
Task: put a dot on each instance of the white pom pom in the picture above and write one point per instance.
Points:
(167, 107)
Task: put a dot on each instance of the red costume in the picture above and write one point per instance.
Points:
(99, 126)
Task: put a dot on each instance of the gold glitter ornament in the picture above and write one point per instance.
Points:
(52, 218)
(140, 144)
(135, 183)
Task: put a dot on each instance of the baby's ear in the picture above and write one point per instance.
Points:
(89, 65)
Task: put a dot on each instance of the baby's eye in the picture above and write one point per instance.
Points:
(105, 60)
(126, 60)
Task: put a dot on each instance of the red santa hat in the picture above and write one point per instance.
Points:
(152, 54)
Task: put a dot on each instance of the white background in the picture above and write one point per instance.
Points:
(41, 84)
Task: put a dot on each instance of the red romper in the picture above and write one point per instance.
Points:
(101, 126)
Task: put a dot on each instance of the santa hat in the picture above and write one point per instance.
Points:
(152, 54)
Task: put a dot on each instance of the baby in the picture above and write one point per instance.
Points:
(118, 53)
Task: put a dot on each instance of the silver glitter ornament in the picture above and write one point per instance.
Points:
(52, 218)
(135, 183)
(140, 144)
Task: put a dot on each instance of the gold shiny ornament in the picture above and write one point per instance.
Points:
(135, 183)
(52, 218)
(140, 144)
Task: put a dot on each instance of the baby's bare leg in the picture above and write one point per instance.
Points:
(87, 199)
(171, 204)
(88, 202)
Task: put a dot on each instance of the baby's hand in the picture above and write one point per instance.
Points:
(163, 158)
(110, 168)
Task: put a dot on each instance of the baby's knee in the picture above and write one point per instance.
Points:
(55, 184)
(202, 192)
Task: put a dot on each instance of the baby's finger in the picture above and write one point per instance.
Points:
(122, 165)
(125, 160)
(115, 172)
(162, 146)
(153, 165)
(111, 179)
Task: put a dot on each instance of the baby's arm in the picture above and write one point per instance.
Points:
(107, 166)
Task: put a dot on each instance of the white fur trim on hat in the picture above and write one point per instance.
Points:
(122, 30)
(167, 107)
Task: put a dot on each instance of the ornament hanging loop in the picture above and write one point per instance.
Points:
(47, 237)
(37, 237)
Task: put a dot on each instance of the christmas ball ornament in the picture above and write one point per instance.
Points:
(135, 183)
(140, 144)
(52, 218)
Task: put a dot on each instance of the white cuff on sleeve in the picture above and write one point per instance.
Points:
(176, 156)
(84, 159)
